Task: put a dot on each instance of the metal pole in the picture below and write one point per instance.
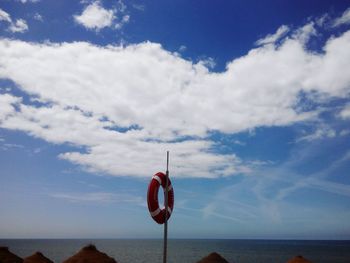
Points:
(166, 208)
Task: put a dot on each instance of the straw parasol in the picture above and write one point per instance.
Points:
(213, 258)
(7, 257)
(90, 254)
(298, 259)
(37, 257)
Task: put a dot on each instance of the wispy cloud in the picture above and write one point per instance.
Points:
(8, 146)
(18, 26)
(345, 112)
(321, 132)
(99, 197)
(211, 210)
(139, 7)
(182, 48)
(28, 1)
(238, 142)
(272, 38)
(269, 193)
(38, 17)
(317, 180)
(344, 19)
(4, 16)
(328, 186)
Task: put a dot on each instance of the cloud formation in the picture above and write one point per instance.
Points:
(272, 38)
(125, 106)
(96, 17)
(99, 197)
(344, 19)
(4, 16)
(38, 17)
(20, 26)
(28, 1)
(320, 133)
(345, 113)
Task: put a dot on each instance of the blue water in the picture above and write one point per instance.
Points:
(188, 251)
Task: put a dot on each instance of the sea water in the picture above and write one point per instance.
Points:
(187, 251)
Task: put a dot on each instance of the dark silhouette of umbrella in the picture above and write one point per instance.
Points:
(298, 259)
(213, 258)
(7, 257)
(37, 257)
(90, 254)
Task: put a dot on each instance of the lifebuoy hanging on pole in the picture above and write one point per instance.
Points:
(158, 214)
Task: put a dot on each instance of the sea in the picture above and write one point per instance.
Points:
(187, 251)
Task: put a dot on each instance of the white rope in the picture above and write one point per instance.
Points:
(157, 178)
(155, 212)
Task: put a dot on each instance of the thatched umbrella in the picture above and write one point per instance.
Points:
(213, 258)
(298, 259)
(7, 257)
(90, 254)
(37, 257)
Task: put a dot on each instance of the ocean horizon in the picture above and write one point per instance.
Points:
(188, 250)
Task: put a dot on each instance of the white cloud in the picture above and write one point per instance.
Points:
(139, 7)
(344, 132)
(343, 20)
(306, 32)
(112, 152)
(8, 146)
(345, 112)
(238, 142)
(126, 19)
(331, 187)
(4, 16)
(7, 103)
(95, 17)
(163, 101)
(28, 1)
(272, 38)
(320, 133)
(99, 197)
(182, 48)
(20, 26)
(38, 17)
(322, 20)
(121, 7)
(123, 21)
(208, 62)
(37, 150)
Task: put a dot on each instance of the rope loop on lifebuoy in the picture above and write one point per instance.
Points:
(156, 212)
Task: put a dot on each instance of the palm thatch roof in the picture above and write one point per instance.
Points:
(213, 258)
(37, 257)
(298, 259)
(7, 257)
(90, 254)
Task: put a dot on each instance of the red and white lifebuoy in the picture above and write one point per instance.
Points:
(152, 198)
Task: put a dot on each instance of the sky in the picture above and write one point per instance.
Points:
(251, 98)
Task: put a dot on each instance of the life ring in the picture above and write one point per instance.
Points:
(158, 214)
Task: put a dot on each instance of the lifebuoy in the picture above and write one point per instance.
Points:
(158, 214)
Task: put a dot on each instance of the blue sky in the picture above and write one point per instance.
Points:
(251, 98)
